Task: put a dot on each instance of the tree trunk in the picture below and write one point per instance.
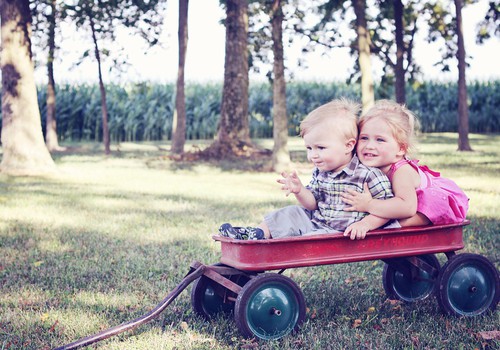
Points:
(367, 92)
(179, 122)
(400, 50)
(51, 122)
(24, 150)
(104, 107)
(233, 134)
(463, 111)
(281, 156)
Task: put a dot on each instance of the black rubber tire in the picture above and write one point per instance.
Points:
(468, 285)
(269, 306)
(207, 296)
(399, 286)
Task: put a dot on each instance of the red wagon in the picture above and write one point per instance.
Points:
(269, 305)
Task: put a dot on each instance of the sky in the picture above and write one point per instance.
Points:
(205, 53)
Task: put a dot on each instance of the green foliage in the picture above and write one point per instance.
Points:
(143, 112)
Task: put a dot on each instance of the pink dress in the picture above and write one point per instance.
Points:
(438, 198)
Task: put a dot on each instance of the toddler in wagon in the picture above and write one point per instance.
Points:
(421, 196)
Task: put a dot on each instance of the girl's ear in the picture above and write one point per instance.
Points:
(350, 144)
(402, 151)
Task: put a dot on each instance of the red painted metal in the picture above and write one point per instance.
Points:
(313, 250)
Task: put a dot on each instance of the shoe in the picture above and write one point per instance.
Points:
(246, 233)
(227, 230)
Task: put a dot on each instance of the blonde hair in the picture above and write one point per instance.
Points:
(403, 123)
(340, 114)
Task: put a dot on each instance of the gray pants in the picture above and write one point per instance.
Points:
(293, 221)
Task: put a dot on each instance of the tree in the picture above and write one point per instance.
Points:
(102, 18)
(45, 16)
(326, 33)
(233, 133)
(448, 27)
(51, 122)
(179, 120)
(281, 155)
(463, 110)
(400, 83)
(24, 151)
(364, 59)
(393, 31)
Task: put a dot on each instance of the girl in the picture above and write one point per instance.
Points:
(421, 196)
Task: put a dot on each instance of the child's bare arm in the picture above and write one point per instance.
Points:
(359, 229)
(291, 184)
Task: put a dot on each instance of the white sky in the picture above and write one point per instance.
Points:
(205, 53)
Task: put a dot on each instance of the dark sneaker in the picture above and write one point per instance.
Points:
(227, 230)
(251, 233)
(254, 233)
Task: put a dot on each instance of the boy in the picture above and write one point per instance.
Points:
(329, 133)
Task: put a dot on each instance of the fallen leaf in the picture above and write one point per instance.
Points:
(53, 326)
(184, 326)
(415, 341)
(490, 335)
(38, 263)
(357, 323)
(370, 310)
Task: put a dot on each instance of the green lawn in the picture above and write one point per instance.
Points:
(108, 238)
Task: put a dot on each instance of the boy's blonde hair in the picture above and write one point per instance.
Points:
(340, 114)
(403, 123)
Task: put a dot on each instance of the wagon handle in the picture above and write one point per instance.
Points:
(196, 271)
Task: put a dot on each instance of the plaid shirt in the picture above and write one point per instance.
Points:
(327, 187)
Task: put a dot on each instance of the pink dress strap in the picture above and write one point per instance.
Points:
(395, 166)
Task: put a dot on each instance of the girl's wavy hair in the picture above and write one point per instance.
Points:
(403, 123)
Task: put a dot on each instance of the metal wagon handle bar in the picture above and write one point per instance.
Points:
(196, 271)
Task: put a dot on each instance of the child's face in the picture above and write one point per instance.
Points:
(328, 150)
(377, 146)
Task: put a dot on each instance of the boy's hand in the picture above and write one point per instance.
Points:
(357, 201)
(291, 182)
(357, 230)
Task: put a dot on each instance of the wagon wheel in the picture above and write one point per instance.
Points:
(468, 285)
(408, 286)
(209, 298)
(269, 307)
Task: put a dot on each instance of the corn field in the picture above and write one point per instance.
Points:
(143, 112)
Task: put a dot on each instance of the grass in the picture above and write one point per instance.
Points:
(107, 239)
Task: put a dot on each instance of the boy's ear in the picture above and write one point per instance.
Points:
(350, 144)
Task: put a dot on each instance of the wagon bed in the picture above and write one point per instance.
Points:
(323, 249)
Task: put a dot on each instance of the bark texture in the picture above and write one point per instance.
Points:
(233, 134)
(24, 150)
(281, 155)
(400, 50)
(179, 122)
(463, 110)
(365, 66)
